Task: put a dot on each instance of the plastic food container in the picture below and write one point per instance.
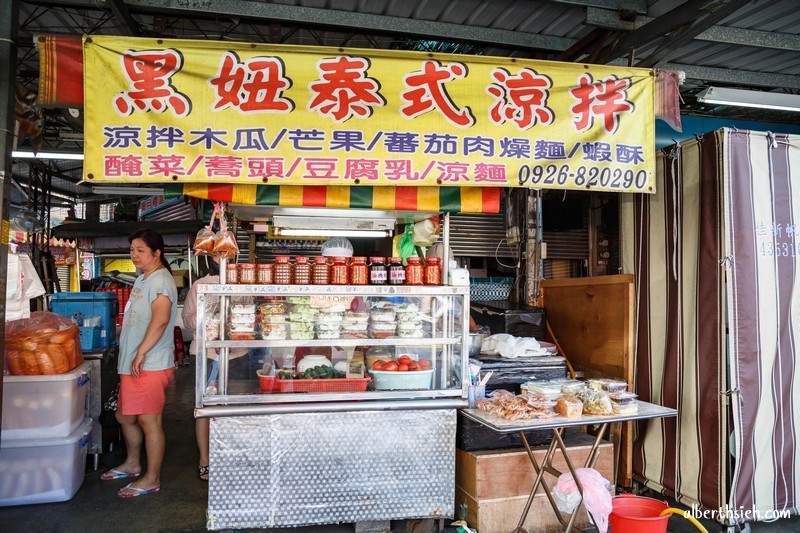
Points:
(378, 315)
(546, 389)
(417, 380)
(407, 330)
(44, 407)
(613, 385)
(265, 383)
(301, 330)
(43, 470)
(310, 361)
(272, 308)
(273, 331)
(623, 398)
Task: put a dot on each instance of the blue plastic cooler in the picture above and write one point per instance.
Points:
(102, 304)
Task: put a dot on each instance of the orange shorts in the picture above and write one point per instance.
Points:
(143, 395)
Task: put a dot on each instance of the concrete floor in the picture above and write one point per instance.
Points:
(181, 503)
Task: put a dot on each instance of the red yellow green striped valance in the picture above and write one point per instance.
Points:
(432, 199)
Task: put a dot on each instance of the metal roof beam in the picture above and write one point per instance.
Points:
(352, 21)
(122, 14)
(676, 27)
(636, 6)
(736, 77)
(608, 19)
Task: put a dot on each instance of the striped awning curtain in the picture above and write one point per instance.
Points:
(431, 199)
(762, 260)
(672, 245)
(716, 256)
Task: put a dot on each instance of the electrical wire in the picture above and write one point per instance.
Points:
(497, 258)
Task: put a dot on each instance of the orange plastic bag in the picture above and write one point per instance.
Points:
(44, 344)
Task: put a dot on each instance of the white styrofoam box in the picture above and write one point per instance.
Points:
(43, 470)
(44, 407)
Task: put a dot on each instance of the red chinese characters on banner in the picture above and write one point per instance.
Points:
(252, 86)
(521, 99)
(123, 165)
(426, 91)
(150, 75)
(344, 90)
(606, 99)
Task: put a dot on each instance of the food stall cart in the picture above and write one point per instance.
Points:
(316, 127)
(297, 454)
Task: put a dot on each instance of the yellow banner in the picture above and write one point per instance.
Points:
(160, 110)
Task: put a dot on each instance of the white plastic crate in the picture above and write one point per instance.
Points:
(43, 470)
(44, 407)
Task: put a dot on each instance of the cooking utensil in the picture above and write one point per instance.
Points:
(475, 342)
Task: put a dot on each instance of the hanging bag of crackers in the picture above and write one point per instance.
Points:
(206, 239)
(225, 242)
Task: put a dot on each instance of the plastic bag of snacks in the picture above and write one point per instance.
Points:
(225, 245)
(204, 242)
(45, 343)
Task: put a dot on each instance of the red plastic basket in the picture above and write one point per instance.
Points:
(321, 385)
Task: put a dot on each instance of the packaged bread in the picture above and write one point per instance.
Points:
(569, 406)
(44, 344)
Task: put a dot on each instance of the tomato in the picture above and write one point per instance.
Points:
(413, 366)
(424, 364)
(404, 360)
(391, 366)
(378, 365)
(402, 367)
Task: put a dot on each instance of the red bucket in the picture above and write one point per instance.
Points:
(637, 514)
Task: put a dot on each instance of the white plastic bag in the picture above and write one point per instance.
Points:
(596, 495)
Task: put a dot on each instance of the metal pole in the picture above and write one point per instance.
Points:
(8, 58)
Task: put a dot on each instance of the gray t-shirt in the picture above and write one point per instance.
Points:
(138, 314)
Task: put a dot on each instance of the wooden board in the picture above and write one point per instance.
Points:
(493, 474)
(593, 322)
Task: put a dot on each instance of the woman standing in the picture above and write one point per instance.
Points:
(146, 364)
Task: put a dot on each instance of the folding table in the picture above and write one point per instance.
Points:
(557, 424)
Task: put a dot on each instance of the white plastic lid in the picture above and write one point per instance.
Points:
(76, 436)
(72, 374)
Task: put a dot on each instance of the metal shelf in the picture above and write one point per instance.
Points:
(342, 343)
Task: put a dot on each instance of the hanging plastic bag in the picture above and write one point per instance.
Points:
(205, 240)
(404, 244)
(225, 246)
(426, 232)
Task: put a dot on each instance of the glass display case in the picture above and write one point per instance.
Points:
(332, 345)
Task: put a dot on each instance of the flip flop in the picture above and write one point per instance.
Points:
(202, 471)
(117, 474)
(128, 491)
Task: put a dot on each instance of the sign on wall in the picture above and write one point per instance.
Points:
(161, 110)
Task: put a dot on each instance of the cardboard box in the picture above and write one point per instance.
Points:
(495, 484)
(180, 277)
(502, 515)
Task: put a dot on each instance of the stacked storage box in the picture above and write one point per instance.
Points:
(123, 295)
(44, 437)
(90, 304)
